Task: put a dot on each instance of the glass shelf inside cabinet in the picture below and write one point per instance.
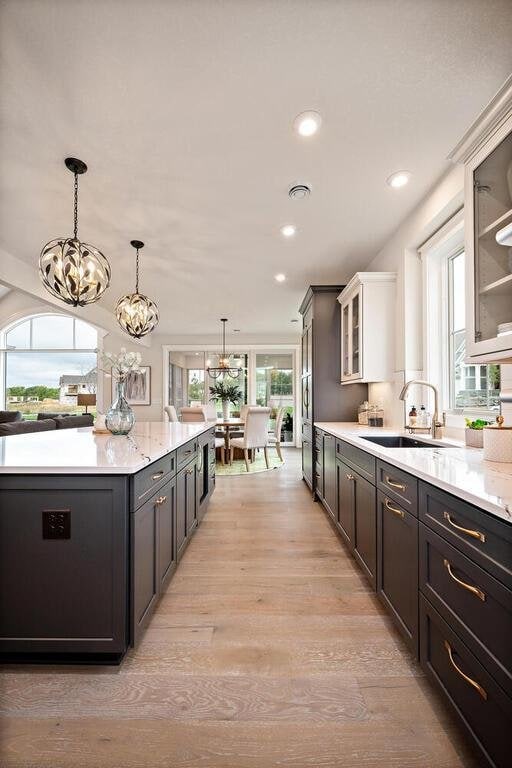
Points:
(492, 183)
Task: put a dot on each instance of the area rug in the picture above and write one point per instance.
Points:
(258, 465)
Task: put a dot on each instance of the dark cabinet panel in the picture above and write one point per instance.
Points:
(307, 461)
(145, 576)
(329, 475)
(191, 496)
(145, 483)
(307, 395)
(397, 565)
(483, 708)
(166, 533)
(345, 492)
(361, 460)
(63, 564)
(365, 526)
(204, 470)
(186, 501)
(477, 605)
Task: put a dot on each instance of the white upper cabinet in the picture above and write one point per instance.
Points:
(487, 153)
(368, 327)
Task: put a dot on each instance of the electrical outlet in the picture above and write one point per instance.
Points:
(56, 523)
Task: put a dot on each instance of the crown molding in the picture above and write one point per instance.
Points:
(486, 124)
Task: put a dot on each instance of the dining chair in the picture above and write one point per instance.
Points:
(220, 443)
(170, 410)
(255, 434)
(274, 437)
(210, 412)
(192, 414)
(243, 413)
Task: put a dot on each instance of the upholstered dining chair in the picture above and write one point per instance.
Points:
(192, 414)
(210, 412)
(171, 412)
(274, 438)
(221, 443)
(255, 434)
(243, 413)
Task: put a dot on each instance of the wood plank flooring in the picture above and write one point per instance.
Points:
(268, 649)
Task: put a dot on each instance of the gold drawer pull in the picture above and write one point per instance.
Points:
(475, 590)
(189, 471)
(160, 500)
(157, 476)
(350, 477)
(393, 484)
(393, 509)
(473, 683)
(474, 534)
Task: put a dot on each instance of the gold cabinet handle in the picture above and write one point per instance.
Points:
(190, 471)
(472, 683)
(470, 588)
(350, 477)
(157, 476)
(160, 500)
(474, 534)
(395, 510)
(393, 484)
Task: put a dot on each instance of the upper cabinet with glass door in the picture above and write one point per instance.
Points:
(367, 327)
(487, 152)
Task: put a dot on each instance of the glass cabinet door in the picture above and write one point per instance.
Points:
(492, 185)
(355, 336)
(345, 340)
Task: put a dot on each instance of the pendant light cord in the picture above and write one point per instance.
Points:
(137, 272)
(75, 209)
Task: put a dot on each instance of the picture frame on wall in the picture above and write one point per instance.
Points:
(137, 387)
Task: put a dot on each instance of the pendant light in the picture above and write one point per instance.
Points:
(224, 368)
(75, 272)
(136, 314)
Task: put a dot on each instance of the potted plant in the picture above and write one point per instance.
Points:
(474, 432)
(226, 393)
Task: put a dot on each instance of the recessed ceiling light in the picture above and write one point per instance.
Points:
(398, 179)
(280, 277)
(307, 123)
(288, 230)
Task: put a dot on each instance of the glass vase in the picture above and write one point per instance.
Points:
(120, 418)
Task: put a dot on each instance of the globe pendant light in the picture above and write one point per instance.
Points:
(70, 270)
(136, 314)
(224, 368)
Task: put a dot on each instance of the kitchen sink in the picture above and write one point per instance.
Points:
(400, 441)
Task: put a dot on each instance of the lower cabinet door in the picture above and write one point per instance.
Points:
(307, 461)
(345, 478)
(329, 467)
(480, 703)
(166, 534)
(365, 527)
(191, 492)
(397, 566)
(181, 511)
(144, 574)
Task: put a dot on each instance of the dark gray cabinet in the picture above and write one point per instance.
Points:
(345, 500)
(205, 471)
(186, 505)
(323, 398)
(397, 574)
(166, 534)
(356, 517)
(329, 475)
(64, 554)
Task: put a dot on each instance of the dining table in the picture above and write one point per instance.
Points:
(228, 424)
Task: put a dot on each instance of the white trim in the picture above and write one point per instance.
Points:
(487, 123)
(251, 350)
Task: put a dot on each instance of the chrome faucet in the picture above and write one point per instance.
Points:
(437, 426)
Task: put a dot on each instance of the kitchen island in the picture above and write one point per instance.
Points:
(92, 527)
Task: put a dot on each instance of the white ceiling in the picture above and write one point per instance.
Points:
(183, 112)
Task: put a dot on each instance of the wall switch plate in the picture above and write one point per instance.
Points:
(56, 523)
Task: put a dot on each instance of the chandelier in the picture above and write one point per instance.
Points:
(224, 368)
(70, 270)
(136, 314)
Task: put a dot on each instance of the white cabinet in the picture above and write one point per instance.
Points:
(487, 153)
(368, 327)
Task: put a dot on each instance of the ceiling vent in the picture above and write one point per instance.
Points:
(299, 191)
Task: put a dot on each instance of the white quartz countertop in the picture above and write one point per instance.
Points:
(459, 470)
(82, 452)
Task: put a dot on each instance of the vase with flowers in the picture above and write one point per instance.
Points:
(227, 393)
(120, 418)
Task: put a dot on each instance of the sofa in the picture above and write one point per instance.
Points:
(6, 417)
(20, 427)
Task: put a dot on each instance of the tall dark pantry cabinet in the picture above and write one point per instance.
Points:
(323, 397)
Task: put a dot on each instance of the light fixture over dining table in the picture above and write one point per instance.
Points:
(224, 368)
(135, 312)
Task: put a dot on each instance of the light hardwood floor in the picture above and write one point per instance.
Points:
(268, 649)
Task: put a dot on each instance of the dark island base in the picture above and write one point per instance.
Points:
(95, 659)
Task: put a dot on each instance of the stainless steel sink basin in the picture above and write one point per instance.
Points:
(400, 441)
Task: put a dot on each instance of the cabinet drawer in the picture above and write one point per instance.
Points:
(397, 566)
(402, 486)
(482, 537)
(319, 479)
(475, 604)
(483, 707)
(148, 479)
(319, 440)
(185, 453)
(362, 461)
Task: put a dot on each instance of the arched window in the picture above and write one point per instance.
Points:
(48, 361)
